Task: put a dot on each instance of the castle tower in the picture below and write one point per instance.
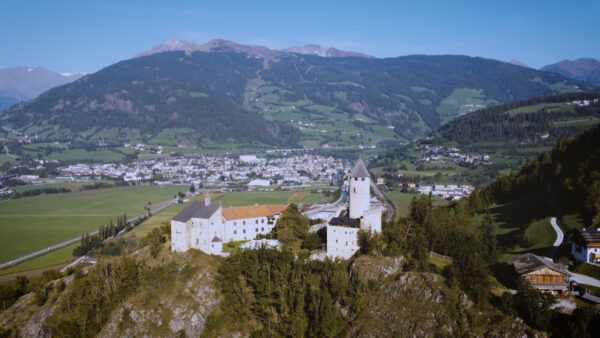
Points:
(360, 187)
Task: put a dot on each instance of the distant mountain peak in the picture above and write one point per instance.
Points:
(320, 51)
(582, 69)
(256, 50)
(518, 63)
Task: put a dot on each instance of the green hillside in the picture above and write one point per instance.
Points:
(229, 97)
(539, 121)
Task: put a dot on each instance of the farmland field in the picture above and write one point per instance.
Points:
(34, 223)
(276, 197)
(53, 258)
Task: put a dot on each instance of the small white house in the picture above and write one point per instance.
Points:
(586, 245)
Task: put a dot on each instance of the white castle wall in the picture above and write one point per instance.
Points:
(248, 228)
(342, 241)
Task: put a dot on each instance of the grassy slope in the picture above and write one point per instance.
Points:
(588, 270)
(54, 258)
(34, 223)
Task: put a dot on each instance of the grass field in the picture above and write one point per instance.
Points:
(237, 199)
(541, 235)
(588, 270)
(155, 221)
(577, 122)
(54, 258)
(402, 201)
(550, 107)
(34, 223)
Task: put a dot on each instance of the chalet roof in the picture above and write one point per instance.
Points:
(253, 211)
(590, 234)
(196, 209)
(529, 262)
(359, 169)
(345, 221)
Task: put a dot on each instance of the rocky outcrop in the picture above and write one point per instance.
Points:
(177, 311)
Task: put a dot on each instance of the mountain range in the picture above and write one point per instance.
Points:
(584, 69)
(227, 92)
(24, 83)
(254, 50)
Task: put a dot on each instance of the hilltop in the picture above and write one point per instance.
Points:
(537, 121)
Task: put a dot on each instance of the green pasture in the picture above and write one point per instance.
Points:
(549, 107)
(34, 223)
(242, 198)
(53, 258)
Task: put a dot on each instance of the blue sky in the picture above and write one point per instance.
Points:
(69, 36)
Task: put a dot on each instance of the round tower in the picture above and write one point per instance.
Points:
(360, 187)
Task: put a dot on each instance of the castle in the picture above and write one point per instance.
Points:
(205, 226)
(342, 231)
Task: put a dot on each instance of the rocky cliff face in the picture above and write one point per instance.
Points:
(419, 304)
(396, 302)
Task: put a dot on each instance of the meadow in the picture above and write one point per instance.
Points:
(242, 198)
(34, 223)
(402, 201)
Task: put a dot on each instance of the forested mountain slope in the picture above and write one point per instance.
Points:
(286, 99)
(571, 171)
(540, 121)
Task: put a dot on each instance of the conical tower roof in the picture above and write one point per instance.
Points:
(359, 170)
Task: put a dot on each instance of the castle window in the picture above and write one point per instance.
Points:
(234, 223)
(262, 229)
(336, 240)
(197, 240)
(256, 222)
(346, 243)
(256, 230)
(244, 223)
(353, 189)
(262, 220)
(235, 232)
(244, 231)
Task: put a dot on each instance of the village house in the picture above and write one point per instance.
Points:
(542, 273)
(586, 245)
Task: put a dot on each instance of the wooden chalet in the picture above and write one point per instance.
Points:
(542, 273)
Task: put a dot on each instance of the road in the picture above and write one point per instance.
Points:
(388, 204)
(579, 278)
(71, 241)
(559, 238)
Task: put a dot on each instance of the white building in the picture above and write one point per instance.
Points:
(205, 226)
(244, 223)
(586, 245)
(259, 182)
(342, 231)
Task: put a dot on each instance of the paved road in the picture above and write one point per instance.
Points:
(559, 238)
(71, 241)
(583, 279)
(388, 204)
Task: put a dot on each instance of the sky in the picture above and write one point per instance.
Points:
(86, 36)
